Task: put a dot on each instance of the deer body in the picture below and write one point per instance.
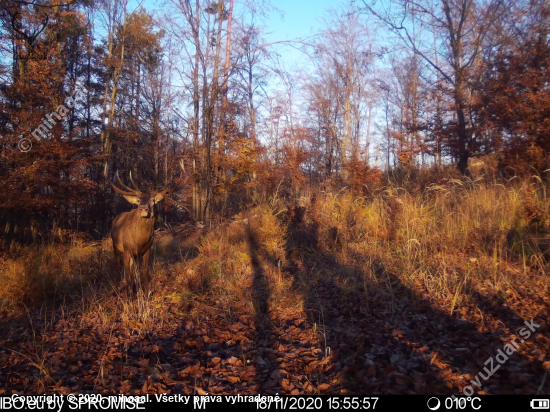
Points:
(133, 237)
(132, 232)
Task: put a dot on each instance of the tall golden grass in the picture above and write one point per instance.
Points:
(441, 241)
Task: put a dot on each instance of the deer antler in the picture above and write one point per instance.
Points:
(129, 192)
(132, 180)
(122, 192)
(178, 186)
(136, 189)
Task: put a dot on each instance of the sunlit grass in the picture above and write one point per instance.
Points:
(442, 242)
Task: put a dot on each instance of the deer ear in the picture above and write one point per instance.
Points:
(159, 196)
(132, 199)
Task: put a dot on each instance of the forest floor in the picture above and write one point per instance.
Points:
(254, 306)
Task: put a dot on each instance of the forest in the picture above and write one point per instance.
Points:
(372, 217)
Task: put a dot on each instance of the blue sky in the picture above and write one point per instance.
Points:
(302, 18)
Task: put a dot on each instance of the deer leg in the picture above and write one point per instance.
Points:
(145, 272)
(127, 268)
(118, 261)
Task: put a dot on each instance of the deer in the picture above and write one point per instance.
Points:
(132, 232)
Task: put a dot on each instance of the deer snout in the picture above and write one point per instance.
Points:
(144, 211)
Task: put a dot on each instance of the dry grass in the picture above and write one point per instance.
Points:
(449, 239)
(32, 275)
(333, 263)
(231, 257)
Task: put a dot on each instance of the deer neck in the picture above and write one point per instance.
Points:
(146, 225)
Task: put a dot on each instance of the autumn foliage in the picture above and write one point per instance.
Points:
(378, 223)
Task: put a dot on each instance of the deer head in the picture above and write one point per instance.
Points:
(146, 201)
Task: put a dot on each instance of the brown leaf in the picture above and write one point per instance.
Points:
(434, 357)
(233, 379)
(126, 386)
(371, 371)
(64, 390)
(418, 378)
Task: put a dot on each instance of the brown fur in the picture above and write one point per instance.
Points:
(132, 237)
(133, 231)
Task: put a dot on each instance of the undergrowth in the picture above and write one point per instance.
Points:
(442, 243)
